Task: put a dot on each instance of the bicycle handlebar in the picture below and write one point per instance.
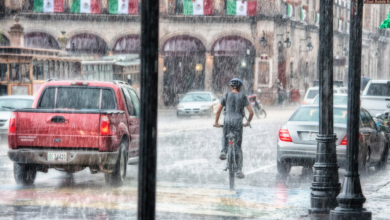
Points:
(224, 126)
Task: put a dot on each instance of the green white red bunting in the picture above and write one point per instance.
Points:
(123, 7)
(290, 10)
(48, 6)
(85, 6)
(198, 7)
(243, 8)
(317, 19)
(303, 14)
(340, 25)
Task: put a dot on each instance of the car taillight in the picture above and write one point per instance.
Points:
(104, 125)
(12, 123)
(284, 135)
(304, 102)
(344, 141)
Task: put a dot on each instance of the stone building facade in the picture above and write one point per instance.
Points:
(198, 52)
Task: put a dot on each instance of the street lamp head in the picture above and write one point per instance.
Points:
(287, 43)
(345, 51)
(243, 63)
(309, 47)
(280, 44)
(263, 41)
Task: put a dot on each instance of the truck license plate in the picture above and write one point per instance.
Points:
(56, 156)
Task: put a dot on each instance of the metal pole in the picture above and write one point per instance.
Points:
(148, 120)
(325, 186)
(351, 198)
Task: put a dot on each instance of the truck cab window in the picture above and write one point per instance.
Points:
(129, 105)
(134, 101)
(47, 100)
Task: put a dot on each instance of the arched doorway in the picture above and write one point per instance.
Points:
(282, 66)
(184, 60)
(234, 56)
(129, 44)
(40, 40)
(87, 44)
(4, 41)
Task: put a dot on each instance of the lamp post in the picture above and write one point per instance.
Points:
(263, 41)
(351, 198)
(148, 118)
(325, 186)
(287, 43)
(309, 46)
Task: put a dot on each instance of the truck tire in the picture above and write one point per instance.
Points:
(118, 175)
(24, 174)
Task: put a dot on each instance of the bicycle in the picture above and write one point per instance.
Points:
(231, 164)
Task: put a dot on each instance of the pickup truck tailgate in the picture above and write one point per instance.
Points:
(44, 128)
(375, 104)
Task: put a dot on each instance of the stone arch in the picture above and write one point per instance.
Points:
(127, 44)
(86, 43)
(165, 38)
(231, 33)
(113, 41)
(40, 40)
(87, 31)
(4, 40)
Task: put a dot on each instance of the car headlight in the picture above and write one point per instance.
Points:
(205, 106)
(180, 106)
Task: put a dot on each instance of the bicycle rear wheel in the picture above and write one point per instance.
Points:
(232, 170)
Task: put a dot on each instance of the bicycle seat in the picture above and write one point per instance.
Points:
(230, 135)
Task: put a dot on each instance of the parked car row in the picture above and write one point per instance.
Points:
(297, 144)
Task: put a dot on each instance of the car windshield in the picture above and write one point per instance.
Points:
(337, 100)
(379, 89)
(313, 114)
(77, 98)
(11, 104)
(196, 97)
(312, 94)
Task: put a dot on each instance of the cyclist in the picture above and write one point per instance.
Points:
(234, 103)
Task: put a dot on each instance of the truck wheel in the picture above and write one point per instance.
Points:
(118, 175)
(24, 174)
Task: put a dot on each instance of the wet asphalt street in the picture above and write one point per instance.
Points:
(191, 180)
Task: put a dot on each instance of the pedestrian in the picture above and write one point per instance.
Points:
(281, 97)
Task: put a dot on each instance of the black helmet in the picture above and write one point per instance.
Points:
(235, 83)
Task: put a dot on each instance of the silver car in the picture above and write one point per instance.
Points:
(197, 103)
(7, 105)
(297, 145)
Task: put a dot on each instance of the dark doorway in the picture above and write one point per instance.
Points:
(282, 66)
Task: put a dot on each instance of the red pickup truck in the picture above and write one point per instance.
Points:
(73, 125)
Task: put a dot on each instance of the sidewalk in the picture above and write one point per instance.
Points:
(376, 189)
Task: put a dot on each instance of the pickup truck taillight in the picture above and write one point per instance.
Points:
(104, 125)
(12, 123)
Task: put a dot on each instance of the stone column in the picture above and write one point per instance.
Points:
(160, 79)
(208, 79)
(17, 34)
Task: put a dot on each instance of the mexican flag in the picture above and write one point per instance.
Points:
(85, 6)
(123, 7)
(317, 19)
(340, 25)
(198, 7)
(303, 14)
(290, 10)
(48, 6)
(241, 7)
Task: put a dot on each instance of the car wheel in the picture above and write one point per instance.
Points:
(24, 174)
(284, 168)
(118, 175)
(383, 162)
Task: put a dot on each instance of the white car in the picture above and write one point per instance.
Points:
(197, 103)
(312, 92)
(376, 96)
(7, 105)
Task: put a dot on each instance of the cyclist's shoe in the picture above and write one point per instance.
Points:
(223, 155)
(240, 174)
